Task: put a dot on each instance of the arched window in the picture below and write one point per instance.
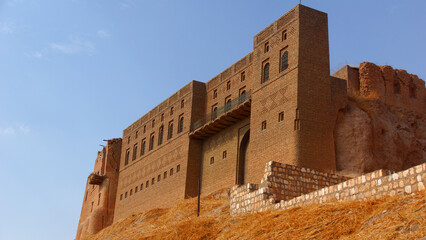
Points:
(126, 160)
(214, 113)
(143, 147)
(266, 72)
(228, 105)
(160, 135)
(284, 61)
(170, 134)
(151, 142)
(242, 96)
(180, 127)
(135, 152)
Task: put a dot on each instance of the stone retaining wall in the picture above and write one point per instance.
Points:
(282, 182)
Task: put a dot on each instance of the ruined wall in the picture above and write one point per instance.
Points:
(382, 126)
(377, 184)
(97, 211)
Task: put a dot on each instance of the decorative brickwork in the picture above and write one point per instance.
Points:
(281, 181)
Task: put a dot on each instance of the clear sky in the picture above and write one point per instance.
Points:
(75, 72)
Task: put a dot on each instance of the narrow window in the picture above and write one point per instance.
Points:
(228, 85)
(215, 94)
(280, 116)
(170, 133)
(224, 154)
(131, 191)
(227, 104)
(242, 97)
(171, 171)
(182, 103)
(136, 189)
(141, 186)
(152, 181)
(243, 76)
(126, 160)
(158, 177)
(178, 168)
(171, 111)
(143, 147)
(147, 184)
(135, 152)
(160, 135)
(266, 72)
(165, 175)
(128, 140)
(144, 128)
(180, 125)
(162, 117)
(214, 112)
(151, 142)
(136, 134)
(211, 160)
(125, 195)
(153, 123)
(91, 210)
(264, 125)
(284, 35)
(121, 197)
(266, 47)
(284, 61)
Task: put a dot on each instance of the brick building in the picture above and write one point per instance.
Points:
(277, 103)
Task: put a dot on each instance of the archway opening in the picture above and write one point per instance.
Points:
(242, 156)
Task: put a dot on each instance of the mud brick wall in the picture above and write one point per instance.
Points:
(373, 185)
(280, 182)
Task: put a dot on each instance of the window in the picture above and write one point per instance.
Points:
(143, 147)
(170, 133)
(215, 94)
(214, 112)
(144, 128)
(121, 197)
(128, 140)
(264, 125)
(266, 72)
(297, 120)
(135, 152)
(242, 97)
(182, 103)
(159, 177)
(171, 171)
(224, 154)
(280, 116)
(178, 168)
(136, 189)
(266, 47)
(180, 124)
(125, 195)
(284, 35)
(228, 104)
(131, 191)
(171, 111)
(211, 160)
(162, 117)
(160, 135)
(153, 123)
(147, 184)
(141, 186)
(126, 160)
(136, 134)
(243, 76)
(151, 142)
(152, 181)
(228, 85)
(165, 175)
(284, 61)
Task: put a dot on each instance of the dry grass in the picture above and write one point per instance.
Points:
(389, 218)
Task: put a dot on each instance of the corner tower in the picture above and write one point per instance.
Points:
(291, 110)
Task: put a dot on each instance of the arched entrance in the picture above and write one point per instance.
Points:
(242, 155)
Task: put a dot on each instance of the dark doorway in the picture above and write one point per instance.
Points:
(242, 158)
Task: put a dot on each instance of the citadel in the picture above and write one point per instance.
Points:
(278, 103)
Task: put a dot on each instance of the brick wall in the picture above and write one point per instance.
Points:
(272, 195)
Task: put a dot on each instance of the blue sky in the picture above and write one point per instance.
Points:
(75, 72)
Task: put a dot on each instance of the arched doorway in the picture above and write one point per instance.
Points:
(242, 155)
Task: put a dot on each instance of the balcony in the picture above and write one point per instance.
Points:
(96, 179)
(229, 114)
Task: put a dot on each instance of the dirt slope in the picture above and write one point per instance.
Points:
(401, 217)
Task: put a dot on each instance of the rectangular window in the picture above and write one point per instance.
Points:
(121, 197)
(228, 85)
(178, 168)
(158, 177)
(152, 181)
(284, 35)
(126, 159)
(144, 129)
(128, 140)
(171, 111)
(266, 47)
(153, 123)
(182, 103)
(280, 116)
(136, 134)
(264, 125)
(165, 175)
(162, 117)
(125, 195)
(141, 186)
(171, 171)
(147, 184)
(211, 160)
(224, 154)
(243, 76)
(215, 94)
(131, 191)
(136, 189)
